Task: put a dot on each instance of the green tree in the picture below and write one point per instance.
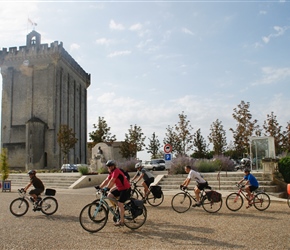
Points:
(180, 136)
(286, 138)
(200, 145)
(217, 137)
(66, 139)
(272, 128)
(4, 164)
(244, 129)
(134, 142)
(102, 133)
(153, 147)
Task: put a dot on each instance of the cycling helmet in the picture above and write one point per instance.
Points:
(110, 163)
(32, 172)
(138, 165)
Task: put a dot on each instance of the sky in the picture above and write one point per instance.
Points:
(152, 60)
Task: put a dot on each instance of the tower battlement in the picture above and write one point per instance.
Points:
(34, 49)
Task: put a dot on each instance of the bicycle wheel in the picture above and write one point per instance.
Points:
(234, 202)
(288, 200)
(261, 201)
(130, 221)
(181, 202)
(19, 207)
(154, 202)
(210, 206)
(93, 217)
(48, 205)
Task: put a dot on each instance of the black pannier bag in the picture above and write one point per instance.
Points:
(136, 207)
(50, 192)
(214, 196)
(156, 191)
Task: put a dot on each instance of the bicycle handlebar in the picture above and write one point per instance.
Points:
(240, 185)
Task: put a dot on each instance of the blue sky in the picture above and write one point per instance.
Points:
(151, 60)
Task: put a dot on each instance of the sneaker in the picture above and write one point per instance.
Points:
(196, 205)
(119, 224)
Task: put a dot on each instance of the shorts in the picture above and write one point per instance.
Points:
(149, 181)
(123, 194)
(36, 191)
(253, 188)
(201, 186)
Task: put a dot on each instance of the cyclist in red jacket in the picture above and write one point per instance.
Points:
(123, 188)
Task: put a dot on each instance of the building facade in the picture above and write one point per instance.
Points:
(43, 88)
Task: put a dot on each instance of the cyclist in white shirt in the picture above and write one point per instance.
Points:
(201, 183)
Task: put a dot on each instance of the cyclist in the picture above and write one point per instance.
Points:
(251, 185)
(38, 186)
(122, 188)
(201, 183)
(144, 174)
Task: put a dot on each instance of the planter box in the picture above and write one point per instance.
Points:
(6, 186)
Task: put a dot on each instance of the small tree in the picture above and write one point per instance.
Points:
(4, 165)
(134, 142)
(218, 137)
(153, 147)
(180, 136)
(66, 139)
(101, 134)
(199, 142)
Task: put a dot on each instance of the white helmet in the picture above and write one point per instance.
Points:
(138, 165)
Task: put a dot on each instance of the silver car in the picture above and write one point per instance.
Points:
(155, 164)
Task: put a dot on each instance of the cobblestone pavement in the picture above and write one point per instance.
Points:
(164, 228)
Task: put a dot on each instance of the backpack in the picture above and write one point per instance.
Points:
(156, 191)
(213, 196)
(136, 207)
(125, 173)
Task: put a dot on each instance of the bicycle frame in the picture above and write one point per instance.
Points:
(241, 192)
(202, 194)
(103, 201)
(25, 196)
(134, 187)
(149, 198)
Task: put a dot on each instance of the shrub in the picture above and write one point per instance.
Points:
(178, 164)
(4, 165)
(83, 170)
(224, 163)
(128, 165)
(284, 168)
(207, 166)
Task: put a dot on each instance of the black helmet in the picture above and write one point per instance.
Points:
(32, 172)
(110, 163)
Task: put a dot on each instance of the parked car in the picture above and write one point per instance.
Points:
(68, 168)
(155, 164)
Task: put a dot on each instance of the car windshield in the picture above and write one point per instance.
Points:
(159, 161)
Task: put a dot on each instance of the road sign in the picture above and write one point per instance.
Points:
(167, 148)
(167, 157)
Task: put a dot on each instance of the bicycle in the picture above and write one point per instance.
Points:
(181, 202)
(94, 216)
(153, 201)
(47, 205)
(235, 201)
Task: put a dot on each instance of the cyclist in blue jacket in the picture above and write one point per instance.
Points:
(251, 183)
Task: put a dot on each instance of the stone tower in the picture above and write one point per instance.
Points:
(43, 88)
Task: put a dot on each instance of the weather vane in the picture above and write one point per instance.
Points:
(32, 23)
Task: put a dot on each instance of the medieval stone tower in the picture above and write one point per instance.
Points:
(43, 88)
